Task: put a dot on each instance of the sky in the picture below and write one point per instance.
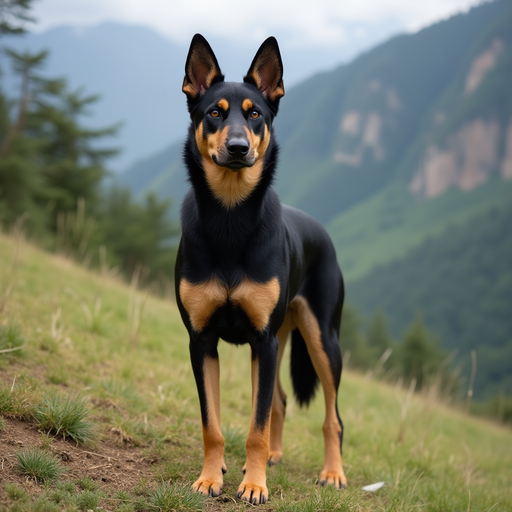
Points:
(302, 22)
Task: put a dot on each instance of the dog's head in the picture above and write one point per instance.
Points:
(232, 122)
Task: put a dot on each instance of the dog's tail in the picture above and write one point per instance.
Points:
(304, 377)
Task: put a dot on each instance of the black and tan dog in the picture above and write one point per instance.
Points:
(250, 270)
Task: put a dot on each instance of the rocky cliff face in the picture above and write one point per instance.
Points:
(482, 64)
(470, 155)
(361, 130)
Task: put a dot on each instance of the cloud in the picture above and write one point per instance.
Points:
(319, 22)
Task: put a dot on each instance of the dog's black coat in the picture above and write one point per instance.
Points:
(253, 240)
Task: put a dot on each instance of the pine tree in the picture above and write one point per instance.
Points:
(377, 337)
(420, 355)
(48, 160)
(72, 163)
(138, 233)
(14, 14)
(352, 340)
(51, 168)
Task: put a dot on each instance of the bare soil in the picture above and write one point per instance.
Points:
(113, 466)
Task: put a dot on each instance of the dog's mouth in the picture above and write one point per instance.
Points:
(235, 164)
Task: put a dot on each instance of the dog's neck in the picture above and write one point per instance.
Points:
(232, 227)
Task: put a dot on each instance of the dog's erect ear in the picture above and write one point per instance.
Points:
(266, 71)
(201, 69)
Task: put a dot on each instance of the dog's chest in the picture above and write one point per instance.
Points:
(256, 300)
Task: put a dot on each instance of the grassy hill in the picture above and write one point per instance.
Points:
(126, 352)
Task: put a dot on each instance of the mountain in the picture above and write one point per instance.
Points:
(394, 146)
(405, 154)
(139, 74)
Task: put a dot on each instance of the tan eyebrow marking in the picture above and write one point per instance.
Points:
(247, 104)
(223, 104)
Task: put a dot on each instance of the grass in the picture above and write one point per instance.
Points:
(168, 498)
(61, 496)
(88, 500)
(38, 464)
(11, 340)
(136, 374)
(321, 500)
(16, 400)
(65, 415)
(15, 493)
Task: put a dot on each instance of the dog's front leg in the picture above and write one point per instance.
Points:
(263, 372)
(205, 363)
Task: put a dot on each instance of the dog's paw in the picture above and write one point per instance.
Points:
(253, 493)
(274, 458)
(334, 478)
(208, 486)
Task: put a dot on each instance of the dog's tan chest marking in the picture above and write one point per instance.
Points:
(257, 300)
(201, 300)
(229, 187)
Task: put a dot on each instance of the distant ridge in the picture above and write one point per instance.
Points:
(405, 154)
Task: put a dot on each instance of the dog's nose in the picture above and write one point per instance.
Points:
(237, 147)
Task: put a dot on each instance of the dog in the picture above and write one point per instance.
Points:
(251, 270)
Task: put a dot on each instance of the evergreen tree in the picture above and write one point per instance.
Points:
(377, 337)
(48, 161)
(21, 183)
(138, 233)
(13, 16)
(72, 163)
(420, 355)
(352, 341)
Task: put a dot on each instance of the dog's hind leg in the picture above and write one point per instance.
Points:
(206, 372)
(325, 353)
(279, 397)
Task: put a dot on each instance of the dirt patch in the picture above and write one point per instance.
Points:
(114, 467)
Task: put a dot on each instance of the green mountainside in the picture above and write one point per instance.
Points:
(391, 223)
(461, 282)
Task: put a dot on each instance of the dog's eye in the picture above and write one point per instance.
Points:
(255, 114)
(215, 113)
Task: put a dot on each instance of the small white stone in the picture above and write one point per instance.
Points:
(373, 487)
